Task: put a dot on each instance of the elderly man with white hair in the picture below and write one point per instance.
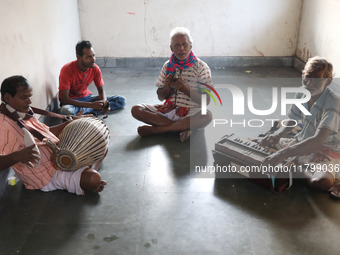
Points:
(180, 83)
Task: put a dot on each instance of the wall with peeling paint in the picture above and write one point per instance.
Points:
(38, 37)
(130, 28)
(319, 31)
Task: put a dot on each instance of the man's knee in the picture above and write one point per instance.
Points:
(137, 111)
(203, 120)
(116, 102)
(207, 118)
(90, 179)
(67, 110)
(95, 178)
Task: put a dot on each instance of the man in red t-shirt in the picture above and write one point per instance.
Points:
(74, 79)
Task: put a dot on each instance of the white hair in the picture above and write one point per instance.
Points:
(180, 31)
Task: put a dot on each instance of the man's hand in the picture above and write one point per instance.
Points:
(98, 105)
(274, 159)
(174, 83)
(270, 140)
(165, 91)
(106, 107)
(179, 84)
(168, 80)
(80, 115)
(27, 156)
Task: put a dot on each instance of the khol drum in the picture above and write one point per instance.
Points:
(83, 142)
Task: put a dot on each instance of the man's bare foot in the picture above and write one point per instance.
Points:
(184, 135)
(147, 130)
(100, 187)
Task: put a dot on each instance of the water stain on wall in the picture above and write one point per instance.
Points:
(260, 53)
(303, 54)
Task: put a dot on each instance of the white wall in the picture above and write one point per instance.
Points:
(319, 31)
(136, 28)
(37, 37)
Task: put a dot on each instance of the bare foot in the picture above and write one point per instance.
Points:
(184, 135)
(147, 130)
(100, 187)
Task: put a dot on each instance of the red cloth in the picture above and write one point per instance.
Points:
(325, 152)
(168, 106)
(180, 64)
(77, 81)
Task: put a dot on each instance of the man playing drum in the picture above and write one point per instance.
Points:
(180, 83)
(31, 158)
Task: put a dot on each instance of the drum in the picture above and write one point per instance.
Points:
(83, 142)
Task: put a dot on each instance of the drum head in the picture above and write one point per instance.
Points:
(66, 161)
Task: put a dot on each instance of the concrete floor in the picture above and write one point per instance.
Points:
(153, 204)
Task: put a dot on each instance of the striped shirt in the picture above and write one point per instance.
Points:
(199, 72)
(324, 114)
(12, 139)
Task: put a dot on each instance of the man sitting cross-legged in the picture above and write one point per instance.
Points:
(180, 83)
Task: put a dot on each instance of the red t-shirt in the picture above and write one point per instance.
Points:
(77, 81)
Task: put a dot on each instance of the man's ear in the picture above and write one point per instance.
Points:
(329, 81)
(7, 97)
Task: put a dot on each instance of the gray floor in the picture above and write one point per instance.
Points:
(153, 204)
